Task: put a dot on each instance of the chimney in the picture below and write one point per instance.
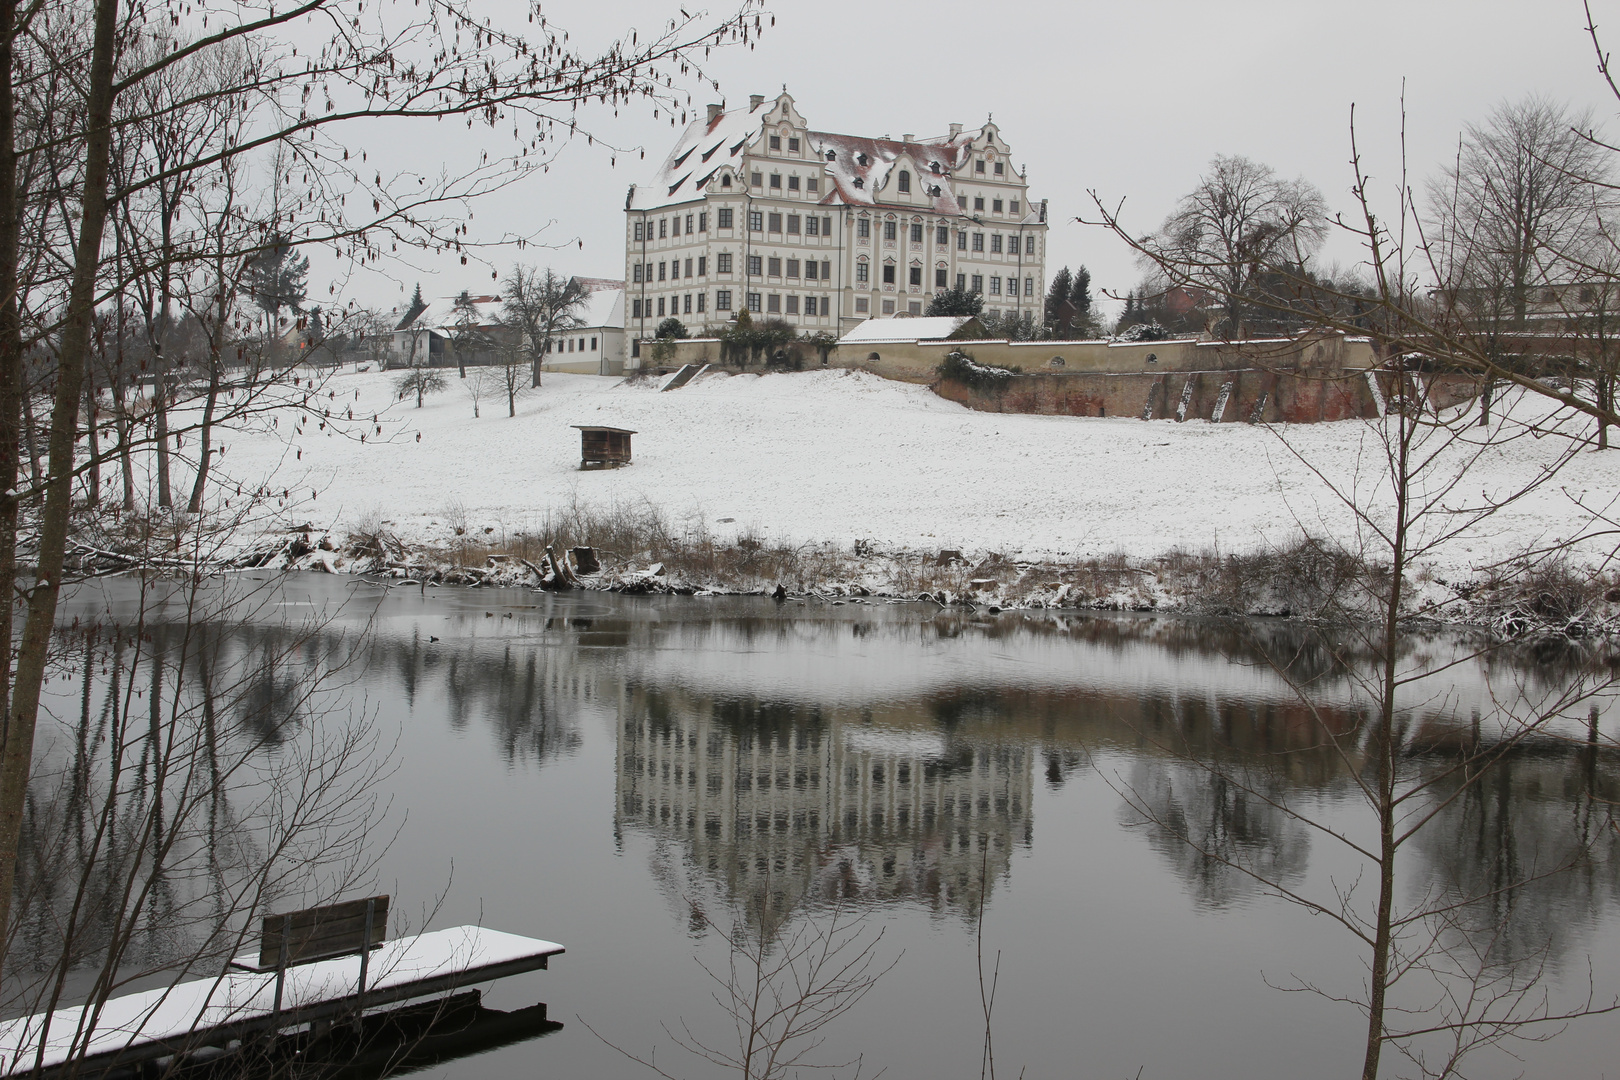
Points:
(906, 137)
(755, 101)
(956, 129)
(714, 112)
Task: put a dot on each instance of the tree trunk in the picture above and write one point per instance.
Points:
(206, 435)
(1485, 402)
(30, 430)
(10, 350)
(33, 654)
(93, 438)
(160, 422)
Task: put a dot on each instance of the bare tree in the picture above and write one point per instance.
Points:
(1438, 983)
(341, 65)
(1240, 223)
(1526, 194)
(544, 304)
(783, 982)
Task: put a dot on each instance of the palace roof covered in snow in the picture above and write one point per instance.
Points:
(857, 168)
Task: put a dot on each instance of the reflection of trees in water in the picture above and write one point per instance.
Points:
(772, 802)
(528, 694)
(1528, 850)
(193, 776)
(1207, 828)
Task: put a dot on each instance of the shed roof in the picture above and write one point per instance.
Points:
(927, 328)
(602, 427)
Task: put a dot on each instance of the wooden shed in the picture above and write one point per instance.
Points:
(603, 447)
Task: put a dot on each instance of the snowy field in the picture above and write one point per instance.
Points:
(835, 456)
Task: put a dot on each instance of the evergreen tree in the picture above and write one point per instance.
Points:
(1082, 321)
(1057, 298)
(418, 305)
(956, 302)
(277, 277)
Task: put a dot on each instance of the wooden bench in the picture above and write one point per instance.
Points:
(320, 933)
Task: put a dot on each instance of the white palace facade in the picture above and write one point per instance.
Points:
(753, 210)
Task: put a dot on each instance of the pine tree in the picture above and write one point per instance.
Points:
(1057, 298)
(277, 277)
(1081, 322)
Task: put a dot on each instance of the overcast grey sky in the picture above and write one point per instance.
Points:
(1129, 99)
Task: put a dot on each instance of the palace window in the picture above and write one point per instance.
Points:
(722, 263)
(942, 235)
(723, 218)
(793, 224)
(916, 275)
(753, 302)
(916, 232)
(774, 266)
(889, 230)
(722, 300)
(888, 274)
(756, 265)
(775, 223)
(978, 241)
(756, 221)
(793, 183)
(905, 182)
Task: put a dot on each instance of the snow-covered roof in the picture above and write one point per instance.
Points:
(856, 167)
(927, 328)
(605, 305)
(702, 149)
(859, 167)
(443, 313)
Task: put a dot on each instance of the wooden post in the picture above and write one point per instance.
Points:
(281, 971)
(365, 954)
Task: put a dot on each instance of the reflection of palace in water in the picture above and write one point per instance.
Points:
(793, 800)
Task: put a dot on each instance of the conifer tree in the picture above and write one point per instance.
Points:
(277, 277)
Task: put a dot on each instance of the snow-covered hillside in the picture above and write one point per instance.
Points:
(836, 456)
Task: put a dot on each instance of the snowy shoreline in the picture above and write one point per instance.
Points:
(840, 483)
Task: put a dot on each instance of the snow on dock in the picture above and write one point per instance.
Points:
(213, 1011)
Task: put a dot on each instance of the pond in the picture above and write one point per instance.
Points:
(1100, 812)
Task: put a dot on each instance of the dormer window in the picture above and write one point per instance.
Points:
(905, 182)
(1001, 168)
(934, 191)
(978, 166)
(860, 159)
(725, 181)
(860, 182)
(793, 146)
(832, 155)
(776, 142)
(933, 167)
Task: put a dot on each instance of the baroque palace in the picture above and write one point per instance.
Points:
(753, 210)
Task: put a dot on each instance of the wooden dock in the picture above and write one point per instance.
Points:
(243, 1002)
